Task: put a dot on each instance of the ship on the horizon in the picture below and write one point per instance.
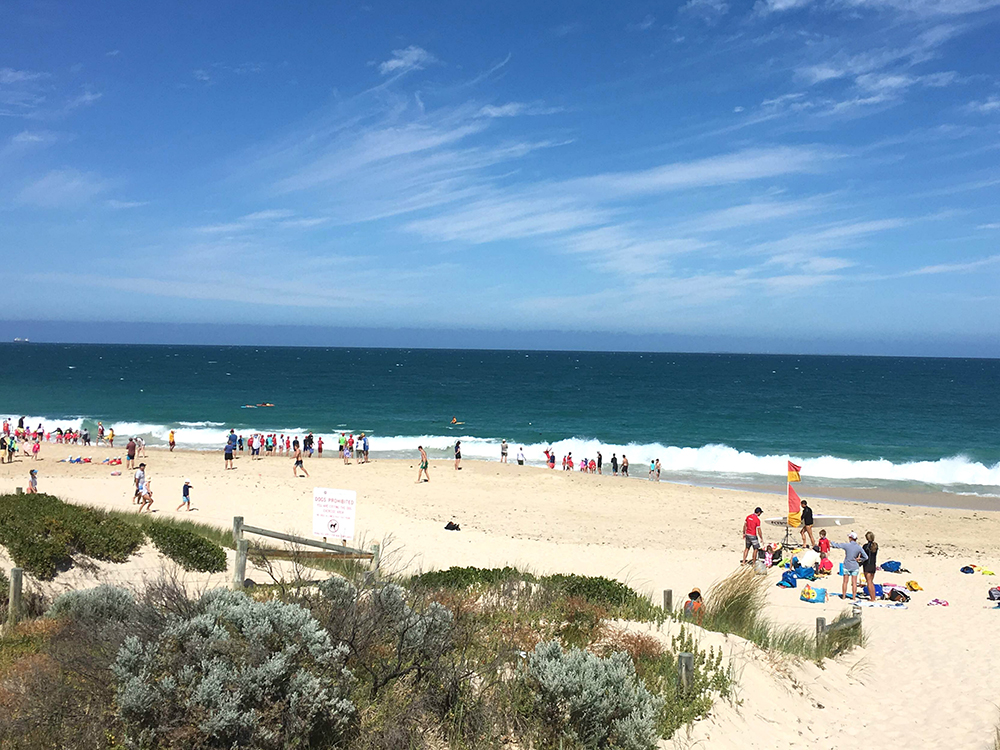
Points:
(19, 340)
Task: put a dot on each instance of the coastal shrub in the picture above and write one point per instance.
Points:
(42, 533)
(456, 577)
(188, 549)
(95, 607)
(597, 702)
(239, 673)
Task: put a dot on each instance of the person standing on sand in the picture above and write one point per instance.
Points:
(111, 437)
(871, 564)
(319, 446)
(600, 463)
(652, 468)
(364, 446)
(807, 524)
(657, 470)
(342, 443)
(171, 442)
(624, 466)
(520, 456)
(752, 535)
(186, 495)
(298, 463)
(458, 455)
(853, 554)
(423, 465)
(100, 432)
(503, 451)
(130, 454)
(614, 464)
(228, 454)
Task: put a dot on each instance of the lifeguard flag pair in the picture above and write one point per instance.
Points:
(794, 501)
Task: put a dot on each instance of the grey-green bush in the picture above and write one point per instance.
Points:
(238, 673)
(598, 702)
(95, 606)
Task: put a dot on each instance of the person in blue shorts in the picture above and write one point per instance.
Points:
(186, 495)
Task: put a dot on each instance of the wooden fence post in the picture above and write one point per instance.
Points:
(820, 631)
(668, 600)
(237, 529)
(685, 670)
(14, 601)
(19, 490)
(240, 566)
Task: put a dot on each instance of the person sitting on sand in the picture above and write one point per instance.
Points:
(825, 564)
(694, 606)
(33, 482)
(853, 555)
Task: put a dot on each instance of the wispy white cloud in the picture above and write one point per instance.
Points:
(403, 60)
(517, 109)
(117, 204)
(83, 99)
(916, 8)
(10, 75)
(994, 225)
(269, 214)
(113, 53)
(202, 75)
(63, 188)
(565, 29)
(988, 106)
(644, 25)
(973, 265)
(709, 11)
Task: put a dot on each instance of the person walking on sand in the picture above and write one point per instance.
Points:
(652, 468)
(503, 451)
(298, 463)
(657, 470)
(186, 495)
(139, 480)
(853, 555)
(171, 442)
(130, 455)
(228, 455)
(752, 535)
(807, 524)
(32, 482)
(870, 548)
(458, 455)
(146, 500)
(423, 465)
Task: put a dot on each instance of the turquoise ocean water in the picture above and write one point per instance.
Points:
(710, 419)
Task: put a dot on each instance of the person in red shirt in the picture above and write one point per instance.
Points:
(752, 535)
(824, 543)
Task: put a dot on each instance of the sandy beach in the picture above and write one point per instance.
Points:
(653, 536)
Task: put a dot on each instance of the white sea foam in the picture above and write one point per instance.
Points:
(704, 464)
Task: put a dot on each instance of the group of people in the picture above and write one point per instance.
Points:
(142, 487)
(596, 465)
(858, 558)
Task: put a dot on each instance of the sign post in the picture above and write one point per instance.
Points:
(333, 512)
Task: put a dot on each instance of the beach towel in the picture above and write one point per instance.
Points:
(813, 596)
(807, 573)
(937, 603)
(891, 566)
(879, 592)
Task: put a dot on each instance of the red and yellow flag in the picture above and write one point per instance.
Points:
(794, 508)
(793, 472)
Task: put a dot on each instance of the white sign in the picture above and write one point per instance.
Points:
(333, 512)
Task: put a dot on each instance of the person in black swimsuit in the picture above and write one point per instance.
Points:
(871, 564)
(458, 454)
(807, 525)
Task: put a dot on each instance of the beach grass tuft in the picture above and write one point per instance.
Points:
(737, 605)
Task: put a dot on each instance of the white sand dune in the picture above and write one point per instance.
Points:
(929, 677)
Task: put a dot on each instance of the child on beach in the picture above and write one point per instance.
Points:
(146, 499)
(186, 495)
(824, 543)
(693, 607)
(33, 482)
(298, 463)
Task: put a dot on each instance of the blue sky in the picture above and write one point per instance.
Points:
(769, 170)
